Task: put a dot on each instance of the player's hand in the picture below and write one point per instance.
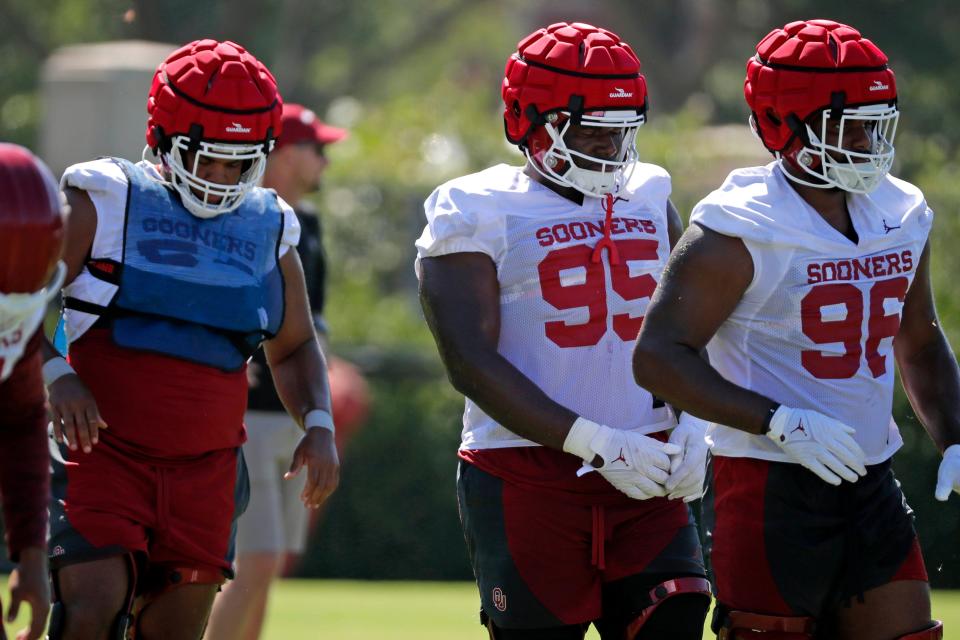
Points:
(74, 413)
(29, 583)
(948, 475)
(318, 453)
(689, 467)
(821, 444)
(635, 464)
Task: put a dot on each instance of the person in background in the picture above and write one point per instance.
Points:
(272, 533)
(32, 215)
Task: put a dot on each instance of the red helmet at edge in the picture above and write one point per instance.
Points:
(31, 239)
(31, 221)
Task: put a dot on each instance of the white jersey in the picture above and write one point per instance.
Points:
(106, 184)
(815, 328)
(567, 323)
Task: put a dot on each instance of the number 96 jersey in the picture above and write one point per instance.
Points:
(570, 310)
(815, 327)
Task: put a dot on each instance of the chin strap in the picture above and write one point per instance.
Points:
(606, 240)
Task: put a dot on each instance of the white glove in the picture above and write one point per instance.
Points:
(819, 443)
(689, 467)
(948, 476)
(635, 464)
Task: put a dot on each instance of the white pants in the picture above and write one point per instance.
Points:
(275, 519)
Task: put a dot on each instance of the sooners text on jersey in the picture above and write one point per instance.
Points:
(569, 313)
(815, 328)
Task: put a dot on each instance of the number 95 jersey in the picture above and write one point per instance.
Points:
(815, 327)
(570, 311)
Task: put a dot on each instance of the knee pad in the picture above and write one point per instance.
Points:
(931, 633)
(121, 625)
(666, 590)
(744, 625)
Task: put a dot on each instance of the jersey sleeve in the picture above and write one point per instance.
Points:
(754, 204)
(106, 184)
(904, 202)
(653, 181)
(461, 222)
(95, 177)
(741, 208)
(290, 236)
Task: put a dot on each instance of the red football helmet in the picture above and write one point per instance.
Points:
(31, 239)
(581, 74)
(815, 73)
(216, 100)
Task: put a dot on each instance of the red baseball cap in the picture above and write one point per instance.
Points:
(302, 125)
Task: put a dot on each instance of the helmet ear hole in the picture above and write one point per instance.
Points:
(773, 117)
(516, 108)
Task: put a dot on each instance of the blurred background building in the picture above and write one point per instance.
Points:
(93, 101)
(417, 83)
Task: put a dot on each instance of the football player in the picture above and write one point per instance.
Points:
(534, 281)
(176, 272)
(31, 238)
(810, 279)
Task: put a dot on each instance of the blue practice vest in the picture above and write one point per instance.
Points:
(203, 290)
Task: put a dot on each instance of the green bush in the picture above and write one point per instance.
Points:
(395, 513)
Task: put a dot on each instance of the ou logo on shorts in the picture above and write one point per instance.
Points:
(499, 599)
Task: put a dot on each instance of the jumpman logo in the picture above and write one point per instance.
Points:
(620, 458)
(888, 229)
(800, 429)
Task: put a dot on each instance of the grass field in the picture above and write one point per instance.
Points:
(345, 610)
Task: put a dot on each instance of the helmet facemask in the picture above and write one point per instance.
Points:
(203, 198)
(832, 165)
(212, 101)
(554, 159)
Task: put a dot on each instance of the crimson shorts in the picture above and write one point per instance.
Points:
(107, 503)
(544, 560)
(781, 541)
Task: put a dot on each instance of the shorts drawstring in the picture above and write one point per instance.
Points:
(597, 557)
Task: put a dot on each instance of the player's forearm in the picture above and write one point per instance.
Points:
(931, 379)
(301, 382)
(679, 375)
(24, 479)
(508, 396)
